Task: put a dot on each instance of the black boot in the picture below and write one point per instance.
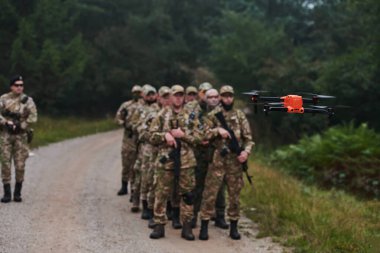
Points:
(175, 219)
(234, 234)
(17, 192)
(194, 221)
(135, 203)
(187, 231)
(131, 197)
(124, 188)
(158, 232)
(7, 193)
(169, 210)
(145, 215)
(220, 222)
(203, 233)
(151, 223)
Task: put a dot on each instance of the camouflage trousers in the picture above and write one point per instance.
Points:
(147, 172)
(164, 188)
(128, 158)
(13, 147)
(203, 161)
(230, 170)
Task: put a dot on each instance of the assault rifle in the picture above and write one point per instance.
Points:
(16, 117)
(233, 144)
(175, 156)
(124, 115)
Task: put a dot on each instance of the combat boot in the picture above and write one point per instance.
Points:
(175, 219)
(169, 210)
(194, 221)
(220, 222)
(131, 197)
(158, 232)
(7, 193)
(17, 192)
(187, 231)
(135, 203)
(234, 234)
(203, 233)
(124, 188)
(145, 215)
(151, 222)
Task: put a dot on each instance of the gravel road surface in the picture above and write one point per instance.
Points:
(70, 205)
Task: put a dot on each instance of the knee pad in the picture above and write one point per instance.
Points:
(188, 198)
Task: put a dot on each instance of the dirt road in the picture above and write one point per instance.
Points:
(70, 205)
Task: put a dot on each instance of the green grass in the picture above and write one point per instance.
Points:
(309, 219)
(49, 130)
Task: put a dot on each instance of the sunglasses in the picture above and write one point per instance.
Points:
(18, 85)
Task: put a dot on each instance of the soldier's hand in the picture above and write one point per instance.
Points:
(170, 140)
(177, 133)
(224, 133)
(10, 125)
(243, 157)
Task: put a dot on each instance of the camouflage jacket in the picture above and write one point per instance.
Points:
(17, 106)
(237, 122)
(167, 120)
(129, 107)
(142, 120)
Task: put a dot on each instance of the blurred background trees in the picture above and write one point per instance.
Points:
(82, 56)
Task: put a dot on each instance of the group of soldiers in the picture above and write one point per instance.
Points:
(17, 112)
(181, 149)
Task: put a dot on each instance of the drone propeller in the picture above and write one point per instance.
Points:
(255, 92)
(319, 106)
(317, 95)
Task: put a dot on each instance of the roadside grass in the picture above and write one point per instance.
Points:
(309, 219)
(48, 130)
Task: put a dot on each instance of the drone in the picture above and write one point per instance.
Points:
(291, 103)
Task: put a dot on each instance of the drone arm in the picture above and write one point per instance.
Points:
(316, 110)
(277, 109)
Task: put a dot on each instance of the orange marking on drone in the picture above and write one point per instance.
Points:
(293, 103)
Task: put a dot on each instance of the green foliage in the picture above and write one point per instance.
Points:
(49, 130)
(342, 157)
(308, 219)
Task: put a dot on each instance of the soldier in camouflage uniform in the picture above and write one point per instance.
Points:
(140, 122)
(17, 112)
(191, 94)
(173, 129)
(225, 163)
(128, 147)
(203, 154)
(163, 101)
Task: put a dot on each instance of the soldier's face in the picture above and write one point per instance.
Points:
(191, 96)
(227, 98)
(165, 100)
(212, 98)
(151, 97)
(178, 99)
(18, 87)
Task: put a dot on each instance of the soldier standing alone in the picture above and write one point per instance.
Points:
(17, 112)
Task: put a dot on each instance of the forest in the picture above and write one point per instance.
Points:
(81, 57)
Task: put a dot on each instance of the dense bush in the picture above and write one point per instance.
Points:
(343, 157)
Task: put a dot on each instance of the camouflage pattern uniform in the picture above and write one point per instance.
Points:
(129, 143)
(165, 121)
(139, 124)
(203, 155)
(14, 145)
(228, 166)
